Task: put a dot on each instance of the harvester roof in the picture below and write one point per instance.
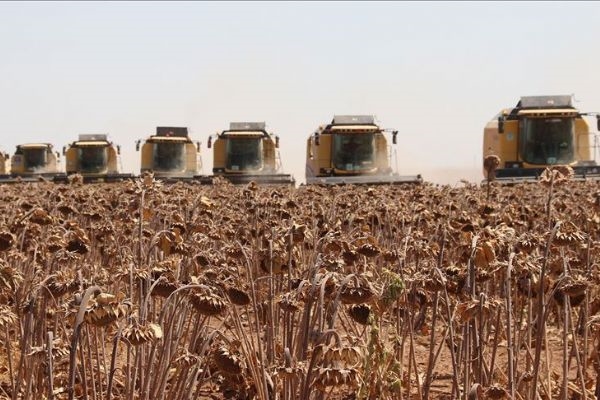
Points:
(246, 134)
(99, 137)
(353, 120)
(247, 126)
(90, 143)
(354, 128)
(541, 106)
(541, 102)
(169, 131)
(35, 145)
(246, 129)
(559, 112)
(169, 139)
(92, 140)
(351, 124)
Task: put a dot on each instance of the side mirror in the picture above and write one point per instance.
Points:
(64, 150)
(500, 124)
(137, 145)
(598, 122)
(394, 134)
(209, 143)
(57, 154)
(197, 147)
(317, 138)
(276, 142)
(6, 156)
(119, 150)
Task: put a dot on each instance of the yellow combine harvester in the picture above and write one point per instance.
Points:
(540, 131)
(352, 149)
(247, 152)
(94, 158)
(3, 165)
(31, 162)
(171, 154)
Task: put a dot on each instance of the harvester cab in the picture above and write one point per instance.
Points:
(352, 149)
(247, 152)
(539, 132)
(170, 154)
(94, 158)
(32, 161)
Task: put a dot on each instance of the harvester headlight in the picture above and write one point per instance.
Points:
(513, 164)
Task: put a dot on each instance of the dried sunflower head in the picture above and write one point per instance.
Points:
(62, 282)
(568, 234)
(288, 302)
(137, 334)
(187, 360)
(228, 361)
(105, 309)
(10, 278)
(7, 240)
(490, 164)
(369, 250)
(528, 242)
(357, 290)
(207, 302)
(334, 377)
(556, 175)
(41, 217)
(7, 317)
(360, 313)
(238, 296)
(575, 289)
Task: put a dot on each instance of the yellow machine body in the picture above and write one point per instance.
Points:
(247, 152)
(34, 159)
(4, 163)
(539, 132)
(94, 158)
(171, 154)
(351, 149)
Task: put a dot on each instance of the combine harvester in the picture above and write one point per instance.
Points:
(94, 158)
(541, 131)
(3, 168)
(171, 155)
(352, 149)
(247, 153)
(32, 162)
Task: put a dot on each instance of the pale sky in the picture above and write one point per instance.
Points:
(435, 71)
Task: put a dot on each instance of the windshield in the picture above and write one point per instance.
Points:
(169, 156)
(547, 140)
(353, 152)
(244, 154)
(93, 159)
(35, 159)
